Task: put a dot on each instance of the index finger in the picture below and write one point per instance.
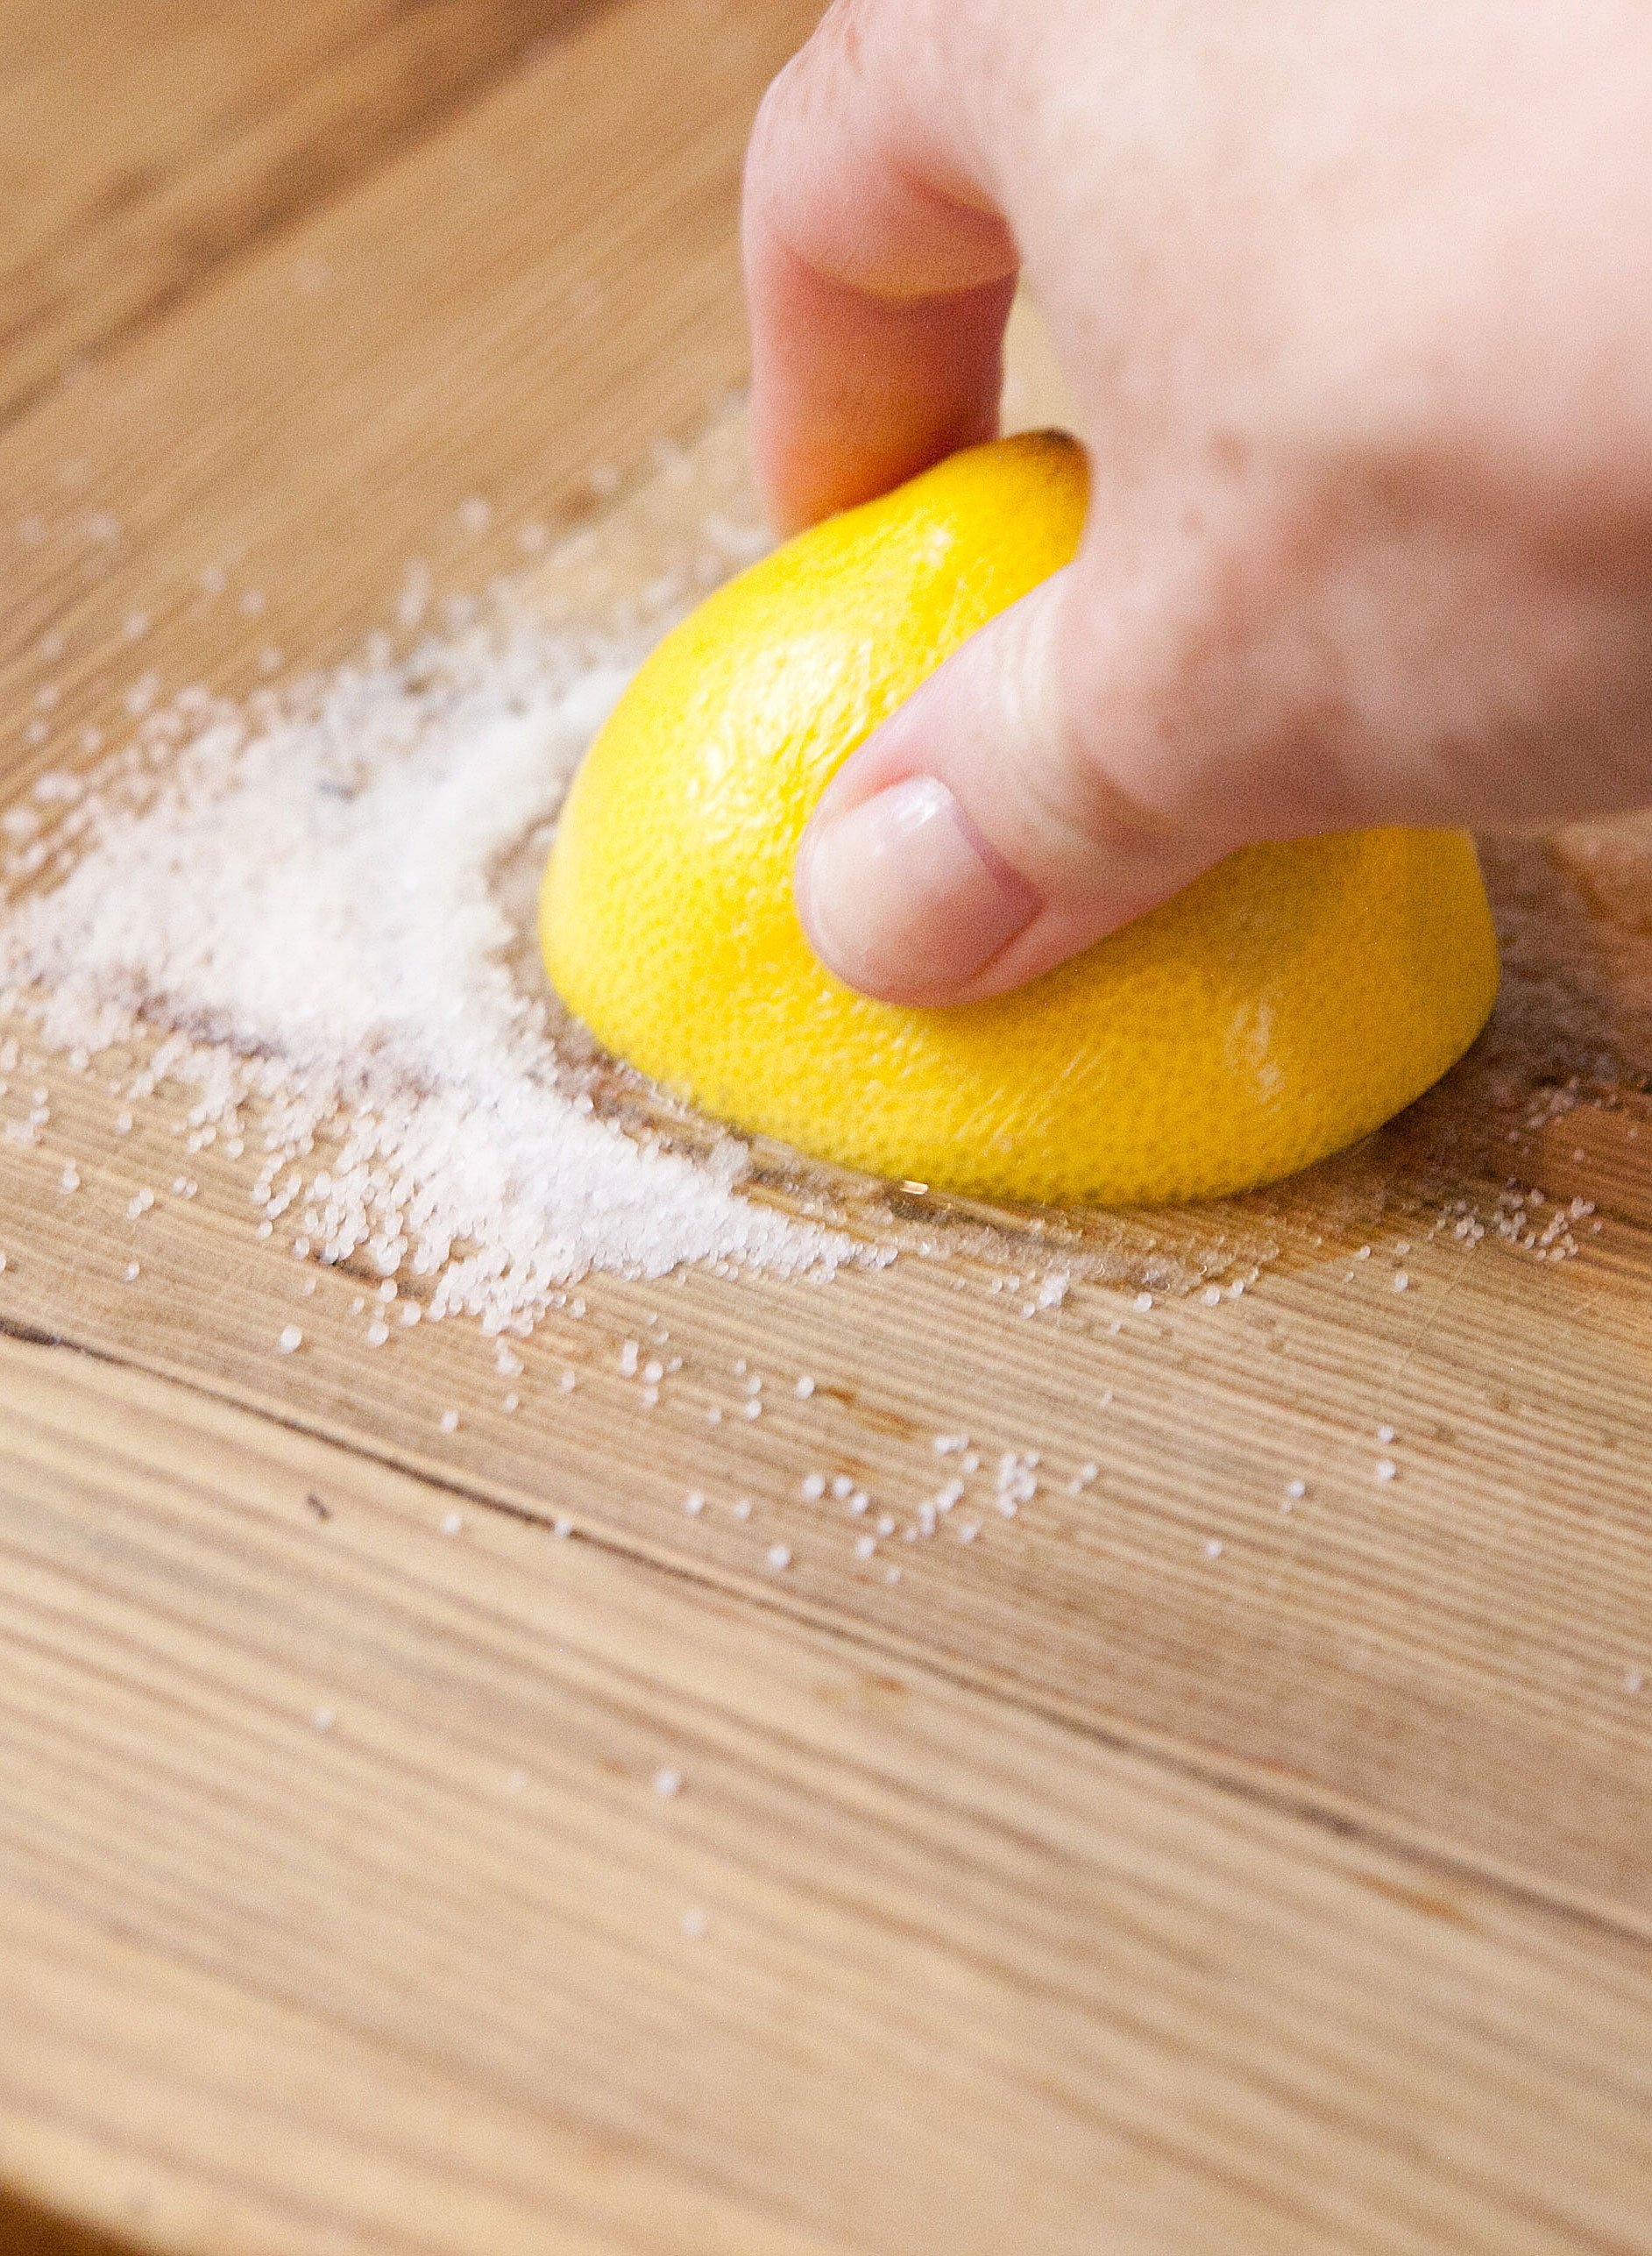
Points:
(878, 275)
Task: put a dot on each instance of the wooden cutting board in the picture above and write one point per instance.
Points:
(1235, 1850)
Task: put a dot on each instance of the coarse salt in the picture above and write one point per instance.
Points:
(301, 912)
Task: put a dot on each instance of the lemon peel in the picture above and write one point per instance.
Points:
(1287, 1003)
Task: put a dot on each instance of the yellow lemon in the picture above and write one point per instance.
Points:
(1290, 1001)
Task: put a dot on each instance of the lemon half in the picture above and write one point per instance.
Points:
(1290, 1001)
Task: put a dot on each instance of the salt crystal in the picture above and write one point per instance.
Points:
(449, 1421)
(864, 1546)
(1144, 1301)
(1385, 1433)
(779, 1556)
(1213, 1547)
(693, 1503)
(804, 1387)
(1400, 1280)
(695, 1923)
(314, 886)
(562, 1527)
(812, 1487)
(452, 1524)
(1386, 1469)
(668, 1783)
(291, 1339)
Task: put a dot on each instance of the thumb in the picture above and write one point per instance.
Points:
(1035, 792)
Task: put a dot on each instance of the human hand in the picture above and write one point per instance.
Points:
(1356, 307)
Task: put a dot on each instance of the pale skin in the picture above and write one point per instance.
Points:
(1354, 298)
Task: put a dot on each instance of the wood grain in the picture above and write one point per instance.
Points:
(332, 1857)
(146, 148)
(1163, 1869)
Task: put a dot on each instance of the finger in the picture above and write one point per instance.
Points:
(878, 277)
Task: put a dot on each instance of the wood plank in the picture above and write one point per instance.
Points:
(1449, 1661)
(1450, 1658)
(342, 1908)
(1443, 1664)
(180, 133)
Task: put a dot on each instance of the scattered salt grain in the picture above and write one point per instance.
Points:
(1212, 1296)
(812, 1487)
(562, 1527)
(324, 1718)
(1385, 1434)
(695, 1923)
(694, 1503)
(804, 1387)
(291, 1339)
(1401, 1282)
(1386, 1469)
(300, 907)
(668, 1783)
(864, 1546)
(1213, 1547)
(449, 1421)
(1144, 1301)
(378, 1332)
(779, 1556)
(133, 1272)
(452, 1524)
(743, 1508)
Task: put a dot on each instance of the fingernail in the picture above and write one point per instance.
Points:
(901, 897)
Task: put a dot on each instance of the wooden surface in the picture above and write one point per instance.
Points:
(1161, 1871)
